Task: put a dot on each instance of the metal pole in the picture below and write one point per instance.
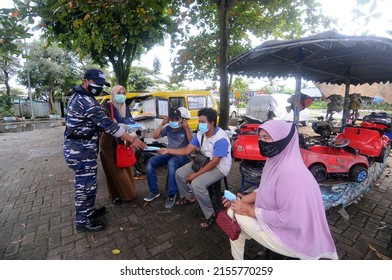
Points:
(29, 91)
(28, 85)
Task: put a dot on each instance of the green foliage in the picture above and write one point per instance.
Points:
(319, 105)
(6, 108)
(140, 79)
(157, 66)
(199, 55)
(13, 29)
(52, 71)
(117, 31)
(240, 85)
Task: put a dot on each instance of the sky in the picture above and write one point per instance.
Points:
(340, 9)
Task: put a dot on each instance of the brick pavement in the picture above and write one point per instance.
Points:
(37, 214)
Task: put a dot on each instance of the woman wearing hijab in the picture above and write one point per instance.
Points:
(286, 213)
(119, 181)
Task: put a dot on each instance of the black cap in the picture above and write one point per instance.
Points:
(97, 75)
(174, 113)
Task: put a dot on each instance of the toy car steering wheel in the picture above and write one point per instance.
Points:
(340, 143)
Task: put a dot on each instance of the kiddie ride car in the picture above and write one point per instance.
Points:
(380, 120)
(329, 163)
(368, 140)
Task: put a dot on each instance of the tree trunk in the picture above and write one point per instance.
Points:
(51, 102)
(223, 10)
(6, 82)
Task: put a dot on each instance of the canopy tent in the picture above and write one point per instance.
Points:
(374, 90)
(327, 57)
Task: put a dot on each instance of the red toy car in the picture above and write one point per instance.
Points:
(370, 142)
(336, 160)
(381, 120)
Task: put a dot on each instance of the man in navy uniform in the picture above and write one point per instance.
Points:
(84, 121)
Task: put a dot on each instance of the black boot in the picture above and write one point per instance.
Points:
(92, 226)
(99, 212)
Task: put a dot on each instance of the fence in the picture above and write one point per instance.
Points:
(41, 109)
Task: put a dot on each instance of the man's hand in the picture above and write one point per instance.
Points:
(191, 177)
(163, 151)
(185, 124)
(165, 120)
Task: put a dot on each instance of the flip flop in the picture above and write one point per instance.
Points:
(185, 201)
(206, 224)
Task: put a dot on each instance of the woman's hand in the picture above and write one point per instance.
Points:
(225, 202)
(242, 208)
(138, 144)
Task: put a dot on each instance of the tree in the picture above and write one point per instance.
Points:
(52, 71)
(157, 65)
(117, 31)
(13, 29)
(144, 79)
(224, 23)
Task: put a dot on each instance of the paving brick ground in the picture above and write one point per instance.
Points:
(37, 214)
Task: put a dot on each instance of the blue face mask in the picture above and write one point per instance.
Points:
(119, 98)
(174, 124)
(203, 127)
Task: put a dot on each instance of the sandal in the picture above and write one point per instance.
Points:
(185, 201)
(206, 224)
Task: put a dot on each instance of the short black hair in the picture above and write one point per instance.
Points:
(210, 113)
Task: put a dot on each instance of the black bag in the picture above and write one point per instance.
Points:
(200, 160)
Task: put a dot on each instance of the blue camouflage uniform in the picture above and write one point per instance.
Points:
(84, 121)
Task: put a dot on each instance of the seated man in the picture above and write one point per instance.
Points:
(179, 134)
(192, 185)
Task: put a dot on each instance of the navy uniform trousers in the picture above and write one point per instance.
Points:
(81, 157)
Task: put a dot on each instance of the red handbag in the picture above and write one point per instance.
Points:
(125, 155)
(228, 225)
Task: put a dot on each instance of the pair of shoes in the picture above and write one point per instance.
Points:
(117, 201)
(151, 196)
(206, 224)
(185, 201)
(99, 212)
(92, 226)
(170, 201)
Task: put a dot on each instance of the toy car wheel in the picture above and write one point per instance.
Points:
(319, 172)
(358, 174)
(382, 155)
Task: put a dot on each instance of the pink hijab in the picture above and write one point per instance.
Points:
(121, 108)
(289, 204)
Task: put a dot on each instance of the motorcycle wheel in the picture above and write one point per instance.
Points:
(142, 158)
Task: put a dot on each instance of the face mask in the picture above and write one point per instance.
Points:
(203, 127)
(271, 149)
(95, 89)
(120, 98)
(174, 124)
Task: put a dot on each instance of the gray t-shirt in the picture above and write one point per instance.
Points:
(176, 138)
